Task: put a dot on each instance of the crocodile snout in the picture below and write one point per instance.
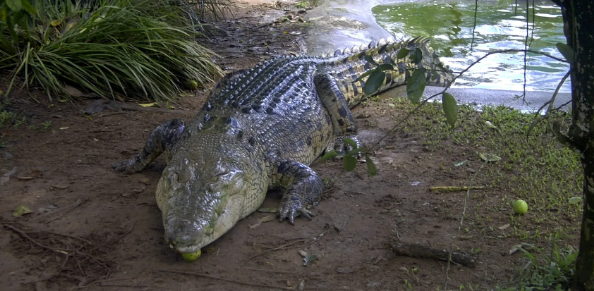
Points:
(183, 235)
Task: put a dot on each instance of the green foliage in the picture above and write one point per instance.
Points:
(138, 48)
(554, 272)
(450, 108)
(415, 85)
(566, 51)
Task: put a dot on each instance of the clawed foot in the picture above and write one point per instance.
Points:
(293, 207)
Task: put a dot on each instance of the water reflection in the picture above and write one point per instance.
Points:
(450, 26)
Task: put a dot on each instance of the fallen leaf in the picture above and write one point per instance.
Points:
(575, 200)
(267, 209)
(72, 91)
(59, 187)
(139, 189)
(520, 246)
(56, 22)
(65, 127)
(505, 226)
(6, 177)
(21, 210)
(147, 104)
(268, 218)
(489, 157)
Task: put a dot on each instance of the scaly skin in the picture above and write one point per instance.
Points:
(261, 129)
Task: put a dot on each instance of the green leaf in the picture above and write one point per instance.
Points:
(418, 56)
(350, 142)
(349, 163)
(353, 152)
(28, 7)
(14, 5)
(374, 82)
(371, 169)
(369, 59)
(366, 74)
(566, 51)
(329, 155)
(450, 108)
(386, 67)
(415, 85)
(402, 53)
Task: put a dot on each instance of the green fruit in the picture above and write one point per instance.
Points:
(520, 206)
(192, 84)
(190, 257)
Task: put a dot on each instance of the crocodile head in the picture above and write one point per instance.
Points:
(201, 195)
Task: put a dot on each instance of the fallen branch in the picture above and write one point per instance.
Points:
(454, 188)
(419, 251)
(225, 279)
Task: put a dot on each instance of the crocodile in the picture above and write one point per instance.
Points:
(260, 129)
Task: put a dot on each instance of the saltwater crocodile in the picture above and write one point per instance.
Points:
(260, 129)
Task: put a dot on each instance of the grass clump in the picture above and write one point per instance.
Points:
(142, 49)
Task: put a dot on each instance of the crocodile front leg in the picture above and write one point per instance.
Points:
(163, 138)
(304, 189)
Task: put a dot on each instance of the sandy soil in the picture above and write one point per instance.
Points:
(94, 229)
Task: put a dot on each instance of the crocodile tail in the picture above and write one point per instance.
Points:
(347, 65)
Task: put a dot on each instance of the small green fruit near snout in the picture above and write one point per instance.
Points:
(520, 206)
(190, 257)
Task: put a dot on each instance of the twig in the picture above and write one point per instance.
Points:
(271, 271)
(224, 279)
(454, 188)
(59, 211)
(419, 251)
(276, 249)
(26, 236)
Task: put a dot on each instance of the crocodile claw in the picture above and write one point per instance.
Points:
(293, 208)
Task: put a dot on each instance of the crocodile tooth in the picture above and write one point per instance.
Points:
(381, 42)
(347, 51)
(338, 53)
(372, 44)
(355, 49)
(391, 39)
(362, 47)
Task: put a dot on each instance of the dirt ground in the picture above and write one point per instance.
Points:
(94, 229)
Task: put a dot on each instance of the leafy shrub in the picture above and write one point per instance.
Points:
(143, 49)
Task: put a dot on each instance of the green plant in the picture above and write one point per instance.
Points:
(7, 118)
(555, 272)
(138, 48)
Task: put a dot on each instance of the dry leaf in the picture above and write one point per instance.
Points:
(505, 226)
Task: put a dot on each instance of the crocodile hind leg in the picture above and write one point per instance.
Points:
(304, 189)
(337, 107)
(161, 139)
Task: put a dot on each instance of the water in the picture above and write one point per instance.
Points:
(498, 27)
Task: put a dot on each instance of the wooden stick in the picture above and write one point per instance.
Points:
(419, 251)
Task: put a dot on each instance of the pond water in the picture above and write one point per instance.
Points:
(450, 26)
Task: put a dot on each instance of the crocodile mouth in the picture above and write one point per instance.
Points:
(184, 249)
